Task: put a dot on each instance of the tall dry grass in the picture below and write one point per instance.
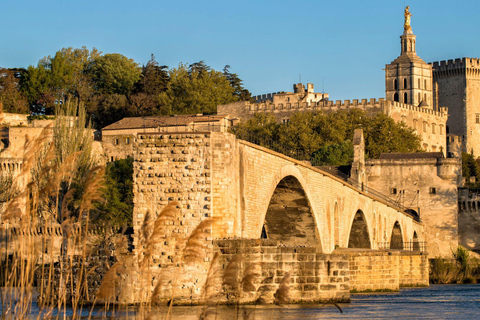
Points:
(60, 186)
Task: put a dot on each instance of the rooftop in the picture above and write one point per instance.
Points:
(161, 121)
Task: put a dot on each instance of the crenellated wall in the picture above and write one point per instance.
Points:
(430, 124)
(458, 83)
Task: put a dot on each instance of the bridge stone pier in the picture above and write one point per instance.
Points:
(252, 192)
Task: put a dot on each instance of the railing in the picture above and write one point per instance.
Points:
(360, 186)
(306, 155)
(416, 246)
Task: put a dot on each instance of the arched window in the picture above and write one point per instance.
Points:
(418, 83)
(395, 84)
(419, 97)
(434, 128)
(395, 97)
(405, 97)
(425, 83)
(405, 83)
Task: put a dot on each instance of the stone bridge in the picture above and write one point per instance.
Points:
(256, 193)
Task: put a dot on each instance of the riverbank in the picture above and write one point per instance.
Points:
(435, 302)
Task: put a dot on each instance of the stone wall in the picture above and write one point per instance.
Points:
(313, 276)
(469, 219)
(427, 184)
(386, 270)
(215, 175)
(458, 84)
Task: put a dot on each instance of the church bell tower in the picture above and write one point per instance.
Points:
(408, 79)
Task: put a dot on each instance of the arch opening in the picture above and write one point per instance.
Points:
(289, 218)
(395, 97)
(396, 240)
(415, 244)
(359, 236)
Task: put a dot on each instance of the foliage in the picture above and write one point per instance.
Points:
(11, 98)
(334, 154)
(470, 168)
(114, 73)
(324, 137)
(113, 86)
(59, 77)
(237, 85)
(195, 89)
(117, 210)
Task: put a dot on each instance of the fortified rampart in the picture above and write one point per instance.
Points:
(428, 123)
(458, 86)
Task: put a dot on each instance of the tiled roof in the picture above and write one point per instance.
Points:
(417, 155)
(160, 121)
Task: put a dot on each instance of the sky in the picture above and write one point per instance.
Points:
(340, 46)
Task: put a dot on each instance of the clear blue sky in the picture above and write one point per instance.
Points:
(344, 44)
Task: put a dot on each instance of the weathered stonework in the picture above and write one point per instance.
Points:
(429, 185)
(458, 88)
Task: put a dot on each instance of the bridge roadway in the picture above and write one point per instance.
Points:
(251, 191)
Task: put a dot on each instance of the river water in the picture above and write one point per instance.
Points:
(435, 302)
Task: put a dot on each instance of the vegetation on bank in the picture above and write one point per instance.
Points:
(462, 268)
(326, 138)
(112, 86)
(471, 170)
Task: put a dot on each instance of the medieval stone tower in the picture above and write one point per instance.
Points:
(408, 78)
(457, 84)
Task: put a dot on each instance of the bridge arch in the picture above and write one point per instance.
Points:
(289, 216)
(359, 236)
(396, 239)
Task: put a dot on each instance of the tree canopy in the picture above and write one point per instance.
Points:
(113, 86)
(325, 138)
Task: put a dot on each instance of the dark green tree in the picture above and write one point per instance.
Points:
(11, 98)
(117, 210)
(237, 84)
(114, 73)
(195, 89)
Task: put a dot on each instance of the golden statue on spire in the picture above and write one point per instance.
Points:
(407, 28)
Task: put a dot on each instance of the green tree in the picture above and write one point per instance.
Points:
(195, 89)
(59, 77)
(470, 168)
(114, 73)
(11, 98)
(117, 210)
(108, 108)
(324, 137)
(334, 154)
(154, 78)
(237, 84)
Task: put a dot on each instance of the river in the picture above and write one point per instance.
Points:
(434, 302)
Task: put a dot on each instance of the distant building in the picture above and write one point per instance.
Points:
(409, 98)
(118, 138)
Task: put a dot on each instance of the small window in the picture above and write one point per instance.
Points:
(477, 117)
(434, 128)
(405, 83)
(395, 85)
(127, 140)
(116, 141)
(425, 82)
(405, 97)
(393, 191)
(433, 190)
(425, 125)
